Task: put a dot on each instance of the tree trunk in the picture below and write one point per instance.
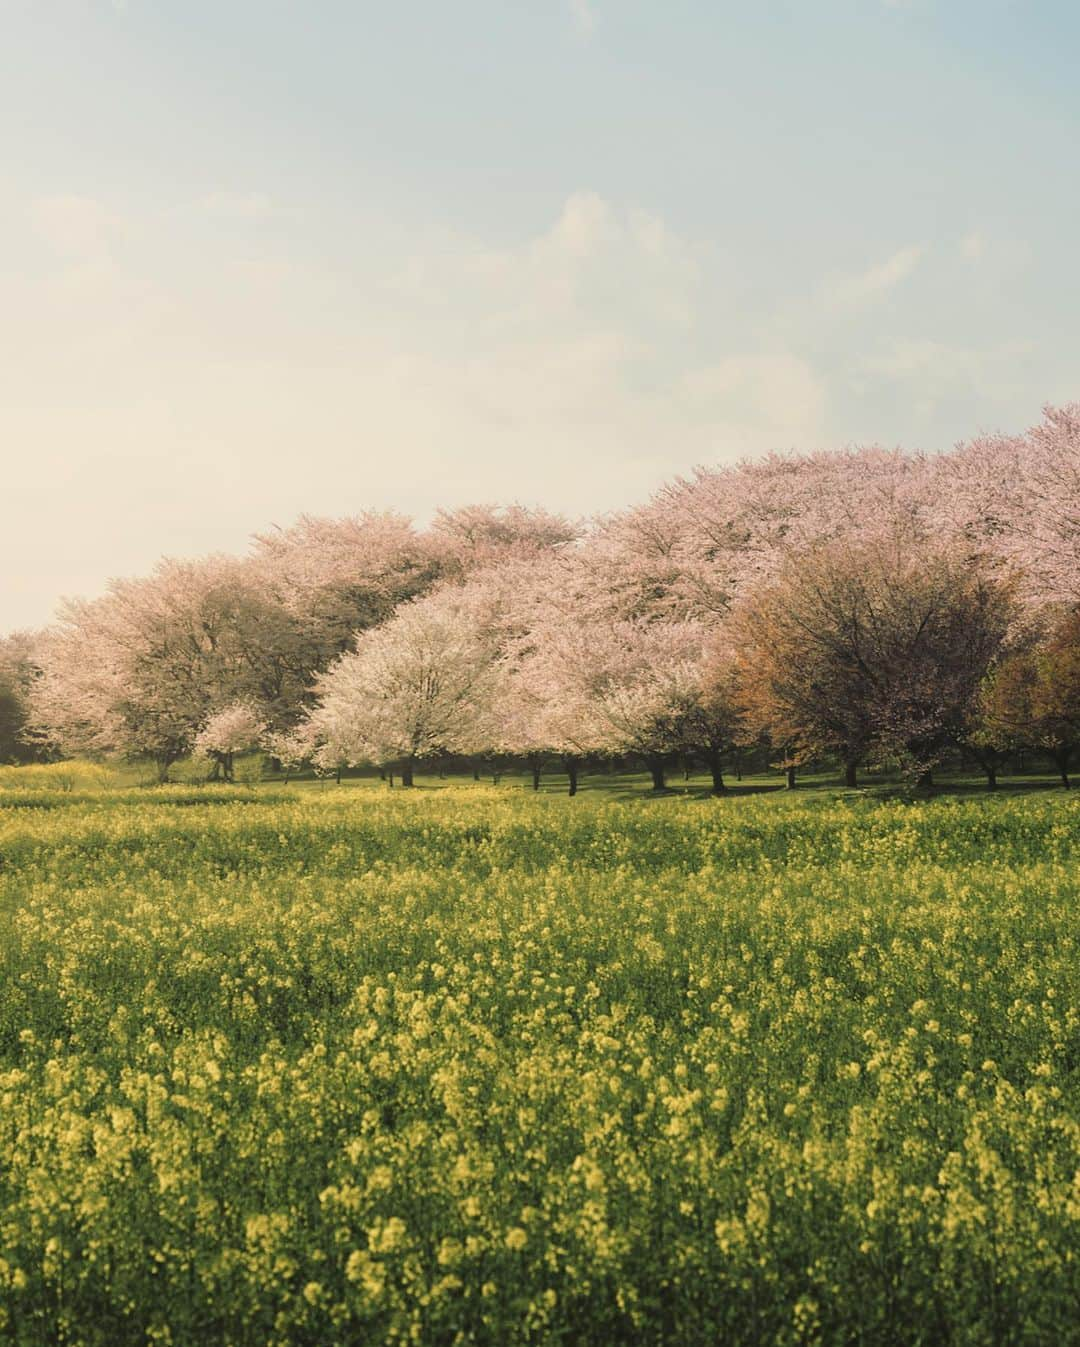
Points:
(536, 776)
(570, 764)
(656, 771)
(476, 773)
(790, 778)
(228, 765)
(390, 780)
(716, 770)
(407, 772)
(163, 765)
(925, 779)
(337, 775)
(851, 773)
(991, 778)
(1061, 757)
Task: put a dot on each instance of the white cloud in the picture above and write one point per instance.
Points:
(584, 17)
(590, 344)
(585, 222)
(918, 358)
(932, 374)
(234, 205)
(77, 227)
(866, 286)
(596, 265)
(939, 362)
(768, 400)
(973, 246)
(994, 253)
(580, 367)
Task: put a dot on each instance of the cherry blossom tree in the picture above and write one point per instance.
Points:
(18, 671)
(121, 675)
(617, 687)
(637, 565)
(521, 715)
(290, 749)
(137, 671)
(423, 683)
(1018, 497)
(643, 705)
(871, 649)
(714, 724)
(236, 728)
(540, 719)
(982, 737)
(479, 537)
(731, 528)
(1033, 699)
(336, 577)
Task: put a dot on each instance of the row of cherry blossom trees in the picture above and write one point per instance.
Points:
(198, 649)
(18, 669)
(866, 606)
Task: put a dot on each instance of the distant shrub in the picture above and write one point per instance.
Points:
(63, 776)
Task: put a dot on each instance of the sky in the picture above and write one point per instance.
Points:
(266, 257)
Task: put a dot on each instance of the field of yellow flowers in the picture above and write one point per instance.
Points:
(472, 1066)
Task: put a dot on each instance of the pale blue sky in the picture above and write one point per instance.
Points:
(259, 257)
